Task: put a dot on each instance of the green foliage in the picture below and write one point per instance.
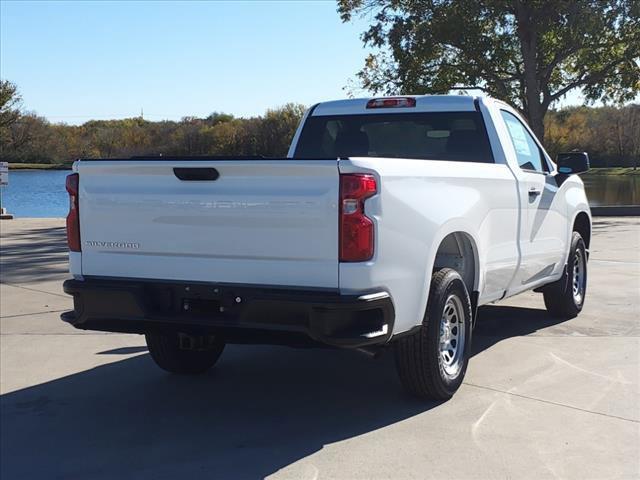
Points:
(610, 135)
(10, 102)
(35, 140)
(528, 53)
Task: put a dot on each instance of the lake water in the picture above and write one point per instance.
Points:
(41, 193)
(612, 189)
(36, 193)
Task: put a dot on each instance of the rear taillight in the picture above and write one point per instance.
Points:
(391, 102)
(73, 218)
(356, 229)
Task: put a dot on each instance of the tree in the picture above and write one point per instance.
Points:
(527, 52)
(610, 135)
(218, 117)
(10, 102)
(277, 129)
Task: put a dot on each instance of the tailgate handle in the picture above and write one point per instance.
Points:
(198, 173)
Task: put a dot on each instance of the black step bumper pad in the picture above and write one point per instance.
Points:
(242, 313)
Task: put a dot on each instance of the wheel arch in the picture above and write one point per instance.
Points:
(458, 250)
(461, 235)
(582, 225)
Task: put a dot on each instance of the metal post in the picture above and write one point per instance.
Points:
(4, 180)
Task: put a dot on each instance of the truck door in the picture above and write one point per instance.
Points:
(543, 227)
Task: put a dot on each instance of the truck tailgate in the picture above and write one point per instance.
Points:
(261, 222)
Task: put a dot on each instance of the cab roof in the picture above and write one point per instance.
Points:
(423, 103)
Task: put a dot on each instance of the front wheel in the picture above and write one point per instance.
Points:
(565, 298)
(170, 354)
(432, 362)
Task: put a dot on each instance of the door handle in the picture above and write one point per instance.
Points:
(195, 174)
(534, 192)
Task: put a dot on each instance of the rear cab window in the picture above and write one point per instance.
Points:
(453, 136)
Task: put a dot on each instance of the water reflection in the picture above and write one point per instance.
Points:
(612, 189)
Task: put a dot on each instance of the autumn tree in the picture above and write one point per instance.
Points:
(529, 53)
(611, 135)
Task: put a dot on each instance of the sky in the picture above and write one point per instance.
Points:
(75, 61)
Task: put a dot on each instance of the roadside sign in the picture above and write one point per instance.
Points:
(4, 173)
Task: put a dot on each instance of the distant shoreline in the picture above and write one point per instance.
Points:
(67, 166)
(39, 166)
(614, 171)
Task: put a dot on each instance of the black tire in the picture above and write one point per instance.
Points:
(559, 297)
(165, 350)
(419, 361)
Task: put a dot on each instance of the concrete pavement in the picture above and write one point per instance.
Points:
(542, 398)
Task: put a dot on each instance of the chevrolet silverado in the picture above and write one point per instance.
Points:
(386, 226)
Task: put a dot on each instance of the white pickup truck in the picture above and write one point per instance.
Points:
(390, 221)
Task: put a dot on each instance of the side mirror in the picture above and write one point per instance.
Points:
(572, 163)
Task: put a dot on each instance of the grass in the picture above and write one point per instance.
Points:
(39, 166)
(614, 171)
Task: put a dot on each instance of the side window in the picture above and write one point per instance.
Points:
(530, 157)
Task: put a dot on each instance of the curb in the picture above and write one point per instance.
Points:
(616, 211)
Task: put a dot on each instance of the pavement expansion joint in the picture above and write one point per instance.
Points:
(550, 402)
(63, 295)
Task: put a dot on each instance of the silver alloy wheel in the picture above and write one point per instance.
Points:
(452, 336)
(579, 277)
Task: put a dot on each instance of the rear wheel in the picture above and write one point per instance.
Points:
(565, 298)
(179, 353)
(432, 362)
